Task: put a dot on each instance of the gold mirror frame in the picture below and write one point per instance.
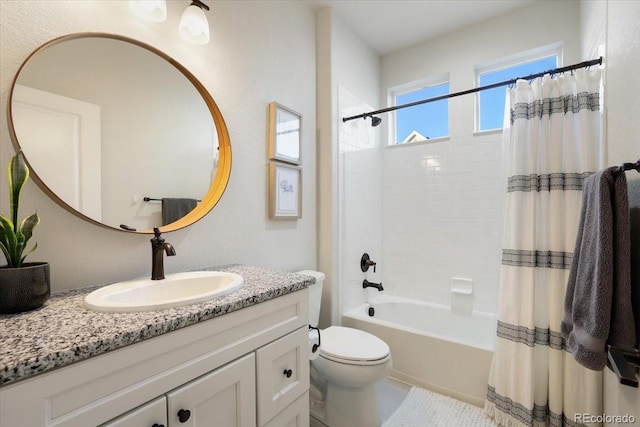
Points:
(223, 170)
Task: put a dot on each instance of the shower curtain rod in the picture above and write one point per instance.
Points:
(375, 122)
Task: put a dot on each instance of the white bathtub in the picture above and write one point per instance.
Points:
(431, 346)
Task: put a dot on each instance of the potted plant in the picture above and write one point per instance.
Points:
(23, 286)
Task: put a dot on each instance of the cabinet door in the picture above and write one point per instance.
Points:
(282, 372)
(222, 398)
(152, 414)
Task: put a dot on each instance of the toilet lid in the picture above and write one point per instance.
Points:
(350, 344)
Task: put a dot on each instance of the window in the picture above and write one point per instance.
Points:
(491, 101)
(425, 121)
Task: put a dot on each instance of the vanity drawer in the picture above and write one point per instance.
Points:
(148, 415)
(294, 415)
(282, 372)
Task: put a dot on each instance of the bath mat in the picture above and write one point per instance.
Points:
(422, 408)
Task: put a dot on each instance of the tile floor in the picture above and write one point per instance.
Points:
(441, 410)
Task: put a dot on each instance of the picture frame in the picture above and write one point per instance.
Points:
(285, 191)
(285, 133)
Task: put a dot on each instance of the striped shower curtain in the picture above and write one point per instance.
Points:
(553, 141)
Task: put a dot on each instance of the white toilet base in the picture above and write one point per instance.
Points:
(350, 392)
(349, 407)
(350, 364)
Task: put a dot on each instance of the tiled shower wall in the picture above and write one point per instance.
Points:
(425, 212)
(360, 200)
(442, 218)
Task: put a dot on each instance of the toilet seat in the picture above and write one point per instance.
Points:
(353, 347)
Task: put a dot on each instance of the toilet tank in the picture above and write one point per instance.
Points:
(315, 296)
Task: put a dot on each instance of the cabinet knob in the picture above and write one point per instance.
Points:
(288, 373)
(157, 425)
(183, 415)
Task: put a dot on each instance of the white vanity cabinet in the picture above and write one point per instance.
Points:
(243, 369)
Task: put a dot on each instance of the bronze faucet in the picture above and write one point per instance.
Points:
(157, 257)
(368, 284)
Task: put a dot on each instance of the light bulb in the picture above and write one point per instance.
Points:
(149, 10)
(194, 26)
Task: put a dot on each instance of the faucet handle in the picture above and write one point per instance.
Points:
(365, 263)
(156, 239)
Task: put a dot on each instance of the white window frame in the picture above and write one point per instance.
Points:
(554, 49)
(412, 87)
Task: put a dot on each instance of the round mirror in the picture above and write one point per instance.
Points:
(119, 133)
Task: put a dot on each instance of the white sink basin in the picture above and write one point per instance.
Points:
(174, 291)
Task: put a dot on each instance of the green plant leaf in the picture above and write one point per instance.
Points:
(33, 249)
(4, 240)
(20, 244)
(9, 242)
(17, 176)
(5, 251)
(25, 231)
(27, 225)
(6, 229)
(13, 235)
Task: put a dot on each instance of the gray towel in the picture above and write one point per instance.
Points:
(174, 208)
(598, 308)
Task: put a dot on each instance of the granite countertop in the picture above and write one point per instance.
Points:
(63, 331)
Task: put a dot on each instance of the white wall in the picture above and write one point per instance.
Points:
(623, 129)
(244, 70)
(348, 76)
(443, 200)
(327, 169)
(623, 85)
(593, 27)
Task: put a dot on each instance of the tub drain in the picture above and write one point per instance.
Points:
(372, 311)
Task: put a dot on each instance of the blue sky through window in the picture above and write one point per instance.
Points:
(491, 104)
(430, 120)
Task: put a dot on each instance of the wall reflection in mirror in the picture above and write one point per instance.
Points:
(105, 122)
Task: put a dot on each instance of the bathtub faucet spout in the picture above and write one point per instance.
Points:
(368, 284)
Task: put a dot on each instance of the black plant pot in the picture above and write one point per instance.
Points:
(24, 288)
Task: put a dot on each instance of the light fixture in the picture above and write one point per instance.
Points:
(149, 10)
(194, 26)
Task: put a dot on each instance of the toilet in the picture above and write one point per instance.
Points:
(344, 373)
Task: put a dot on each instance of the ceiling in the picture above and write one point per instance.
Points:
(390, 25)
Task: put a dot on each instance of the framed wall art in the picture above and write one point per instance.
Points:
(285, 130)
(285, 191)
